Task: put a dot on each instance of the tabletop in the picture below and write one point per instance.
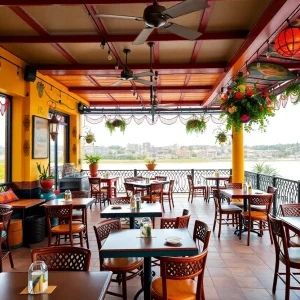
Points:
(292, 223)
(70, 285)
(216, 177)
(145, 184)
(127, 242)
(238, 193)
(25, 203)
(77, 202)
(147, 210)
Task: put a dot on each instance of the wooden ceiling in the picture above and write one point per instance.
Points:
(61, 38)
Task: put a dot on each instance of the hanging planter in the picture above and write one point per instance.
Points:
(195, 126)
(90, 137)
(242, 105)
(221, 137)
(293, 92)
(114, 124)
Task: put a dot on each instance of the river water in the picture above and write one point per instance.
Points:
(289, 169)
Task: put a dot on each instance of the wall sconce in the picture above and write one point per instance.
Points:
(53, 124)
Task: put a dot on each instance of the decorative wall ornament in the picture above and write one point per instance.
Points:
(40, 88)
(26, 122)
(74, 132)
(26, 148)
(74, 149)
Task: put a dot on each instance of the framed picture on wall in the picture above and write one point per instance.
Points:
(40, 137)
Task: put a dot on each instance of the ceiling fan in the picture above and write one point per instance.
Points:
(128, 75)
(157, 16)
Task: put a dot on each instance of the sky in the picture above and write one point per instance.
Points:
(283, 128)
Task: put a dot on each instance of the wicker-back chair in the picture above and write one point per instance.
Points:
(119, 266)
(96, 191)
(169, 193)
(201, 234)
(177, 278)
(291, 210)
(155, 194)
(63, 258)
(235, 186)
(195, 191)
(119, 200)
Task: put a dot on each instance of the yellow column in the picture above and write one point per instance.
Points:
(238, 155)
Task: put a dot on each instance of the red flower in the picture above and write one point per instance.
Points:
(229, 90)
(261, 107)
(225, 97)
(245, 118)
(238, 95)
(249, 93)
(192, 125)
(223, 108)
(266, 94)
(269, 102)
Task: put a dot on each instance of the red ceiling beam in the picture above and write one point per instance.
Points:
(140, 89)
(138, 103)
(277, 12)
(78, 39)
(38, 28)
(109, 70)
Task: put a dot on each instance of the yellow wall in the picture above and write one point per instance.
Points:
(26, 101)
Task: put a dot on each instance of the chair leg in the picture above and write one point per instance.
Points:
(220, 226)
(275, 275)
(249, 227)
(169, 198)
(71, 239)
(1, 258)
(9, 254)
(270, 232)
(287, 283)
(241, 225)
(192, 197)
(189, 196)
(87, 238)
(81, 239)
(124, 286)
(172, 200)
(215, 221)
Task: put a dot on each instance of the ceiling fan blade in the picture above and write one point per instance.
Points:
(120, 17)
(184, 8)
(182, 31)
(143, 74)
(142, 81)
(117, 82)
(142, 37)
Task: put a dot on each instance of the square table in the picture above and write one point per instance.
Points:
(69, 285)
(147, 210)
(128, 243)
(292, 223)
(144, 184)
(78, 203)
(111, 184)
(217, 179)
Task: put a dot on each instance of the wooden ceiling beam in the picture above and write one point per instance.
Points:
(137, 103)
(140, 89)
(109, 70)
(81, 39)
(275, 15)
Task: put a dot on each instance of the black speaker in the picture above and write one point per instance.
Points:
(30, 74)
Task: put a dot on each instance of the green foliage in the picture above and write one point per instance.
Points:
(90, 136)
(150, 161)
(221, 137)
(197, 126)
(244, 105)
(44, 174)
(116, 123)
(293, 90)
(92, 159)
(262, 168)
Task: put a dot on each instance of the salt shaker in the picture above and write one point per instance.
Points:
(245, 188)
(37, 277)
(68, 195)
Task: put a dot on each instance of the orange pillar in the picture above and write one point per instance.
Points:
(238, 155)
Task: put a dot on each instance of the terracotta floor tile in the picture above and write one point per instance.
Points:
(249, 282)
(230, 293)
(257, 294)
(224, 281)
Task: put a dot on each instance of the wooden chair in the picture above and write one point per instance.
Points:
(201, 234)
(155, 194)
(291, 210)
(119, 200)
(140, 190)
(235, 186)
(177, 278)
(96, 191)
(66, 228)
(227, 210)
(5, 214)
(195, 191)
(63, 258)
(161, 178)
(129, 188)
(258, 221)
(290, 257)
(169, 194)
(119, 266)
(271, 190)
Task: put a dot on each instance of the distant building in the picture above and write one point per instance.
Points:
(146, 147)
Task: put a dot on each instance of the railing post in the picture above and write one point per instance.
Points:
(192, 173)
(134, 172)
(275, 198)
(257, 181)
(298, 184)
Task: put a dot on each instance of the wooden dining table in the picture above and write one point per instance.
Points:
(292, 223)
(69, 285)
(217, 179)
(111, 185)
(144, 184)
(151, 210)
(78, 203)
(128, 243)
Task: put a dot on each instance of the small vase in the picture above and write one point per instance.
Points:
(93, 170)
(47, 183)
(150, 167)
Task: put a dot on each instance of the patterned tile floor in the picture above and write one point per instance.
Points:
(234, 271)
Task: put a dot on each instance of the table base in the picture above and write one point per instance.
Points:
(147, 280)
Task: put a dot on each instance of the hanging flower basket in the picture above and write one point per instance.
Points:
(112, 125)
(90, 137)
(244, 105)
(195, 125)
(221, 137)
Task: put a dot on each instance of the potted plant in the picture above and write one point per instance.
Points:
(150, 164)
(92, 160)
(90, 137)
(46, 179)
(242, 104)
(195, 125)
(221, 137)
(112, 125)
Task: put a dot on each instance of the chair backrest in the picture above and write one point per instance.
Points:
(61, 212)
(201, 234)
(290, 210)
(95, 185)
(182, 268)
(156, 189)
(161, 178)
(120, 200)
(171, 185)
(129, 179)
(63, 258)
(4, 208)
(182, 221)
(263, 200)
(103, 229)
(217, 199)
(279, 237)
(272, 190)
(1, 228)
(80, 194)
(179, 222)
(129, 188)
(185, 212)
(190, 181)
(5, 219)
(233, 185)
